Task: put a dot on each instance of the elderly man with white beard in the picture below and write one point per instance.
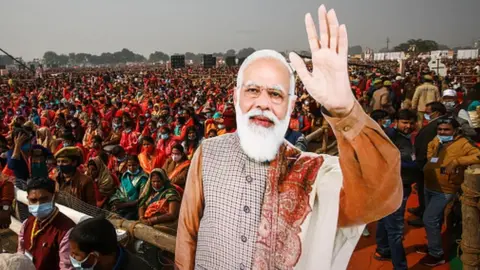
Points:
(254, 201)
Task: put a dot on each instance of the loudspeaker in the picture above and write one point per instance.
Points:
(230, 61)
(209, 61)
(177, 61)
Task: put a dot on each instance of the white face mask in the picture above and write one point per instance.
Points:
(260, 143)
(78, 264)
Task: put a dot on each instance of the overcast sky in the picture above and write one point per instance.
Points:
(29, 28)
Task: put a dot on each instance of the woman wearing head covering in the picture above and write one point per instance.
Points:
(177, 166)
(104, 183)
(160, 200)
(191, 143)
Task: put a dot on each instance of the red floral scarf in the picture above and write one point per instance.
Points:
(285, 207)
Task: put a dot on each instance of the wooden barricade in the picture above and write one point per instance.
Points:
(470, 199)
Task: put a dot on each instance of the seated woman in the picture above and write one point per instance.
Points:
(125, 200)
(104, 183)
(177, 166)
(191, 143)
(150, 158)
(160, 201)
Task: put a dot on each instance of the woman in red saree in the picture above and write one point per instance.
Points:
(177, 166)
(150, 158)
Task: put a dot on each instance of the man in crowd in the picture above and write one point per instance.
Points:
(450, 101)
(390, 228)
(424, 94)
(43, 237)
(272, 206)
(447, 157)
(94, 245)
(69, 179)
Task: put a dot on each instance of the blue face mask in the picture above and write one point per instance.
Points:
(427, 117)
(26, 147)
(135, 172)
(164, 136)
(387, 123)
(78, 264)
(41, 210)
(445, 139)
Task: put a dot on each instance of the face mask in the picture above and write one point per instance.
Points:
(427, 117)
(65, 144)
(78, 264)
(72, 112)
(221, 126)
(147, 115)
(142, 122)
(122, 159)
(159, 124)
(387, 123)
(67, 169)
(445, 139)
(116, 126)
(135, 172)
(148, 149)
(26, 147)
(176, 158)
(192, 137)
(208, 116)
(128, 130)
(164, 136)
(41, 210)
(449, 105)
(73, 125)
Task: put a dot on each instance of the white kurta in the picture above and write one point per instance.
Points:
(324, 246)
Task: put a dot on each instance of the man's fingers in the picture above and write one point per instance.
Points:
(322, 21)
(333, 29)
(342, 40)
(311, 33)
(300, 67)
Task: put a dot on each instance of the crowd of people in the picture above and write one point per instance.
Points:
(123, 140)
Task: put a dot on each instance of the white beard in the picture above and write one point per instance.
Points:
(260, 143)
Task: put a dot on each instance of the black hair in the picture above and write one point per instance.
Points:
(148, 139)
(117, 150)
(437, 107)
(448, 120)
(95, 234)
(103, 156)
(68, 136)
(378, 115)
(41, 183)
(97, 139)
(406, 114)
(133, 158)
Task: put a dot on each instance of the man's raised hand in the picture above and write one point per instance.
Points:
(328, 83)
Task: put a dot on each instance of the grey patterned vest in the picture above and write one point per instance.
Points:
(234, 187)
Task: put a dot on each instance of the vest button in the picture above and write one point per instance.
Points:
(246, 209)
(242, 266)
(243, 238)
(249, 179)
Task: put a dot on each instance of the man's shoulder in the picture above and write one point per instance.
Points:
(63, 222)
(222, 139)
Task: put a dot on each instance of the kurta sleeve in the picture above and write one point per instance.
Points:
(21, 241)
(191, 212)
(7, 192)
(64, 253)
(370, 163)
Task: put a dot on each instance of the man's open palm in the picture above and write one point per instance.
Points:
(328, 83)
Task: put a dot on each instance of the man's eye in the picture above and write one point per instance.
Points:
(253, 90)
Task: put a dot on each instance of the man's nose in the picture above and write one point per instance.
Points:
(263, 101)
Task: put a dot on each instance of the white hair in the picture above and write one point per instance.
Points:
(262, 54)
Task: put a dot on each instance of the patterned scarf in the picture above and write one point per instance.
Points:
(285, 207)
